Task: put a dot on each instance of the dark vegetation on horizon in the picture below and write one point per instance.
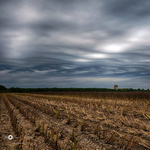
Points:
(55, 89)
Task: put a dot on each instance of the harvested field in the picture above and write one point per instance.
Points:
(63, 121)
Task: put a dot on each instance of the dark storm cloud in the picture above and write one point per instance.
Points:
(130, 9)
(75, 43)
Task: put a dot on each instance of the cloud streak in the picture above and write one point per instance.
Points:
(75, 43)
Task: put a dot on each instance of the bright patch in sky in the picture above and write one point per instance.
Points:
(96, 56)
(82, 60)
(115, 48)
(27, 14)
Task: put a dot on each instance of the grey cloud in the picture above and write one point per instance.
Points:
(131, 9)
(74, 43)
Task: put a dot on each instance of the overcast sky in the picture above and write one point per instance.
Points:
(75, 43)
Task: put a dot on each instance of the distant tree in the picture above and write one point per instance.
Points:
(17, 89)
(2, 88)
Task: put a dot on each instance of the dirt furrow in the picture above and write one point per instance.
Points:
(65, 130)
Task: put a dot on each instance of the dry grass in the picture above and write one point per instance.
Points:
(76, 122)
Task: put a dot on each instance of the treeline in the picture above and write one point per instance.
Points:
(55, 89)
(2, 88)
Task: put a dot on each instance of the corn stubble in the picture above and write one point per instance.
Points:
(87, 121)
